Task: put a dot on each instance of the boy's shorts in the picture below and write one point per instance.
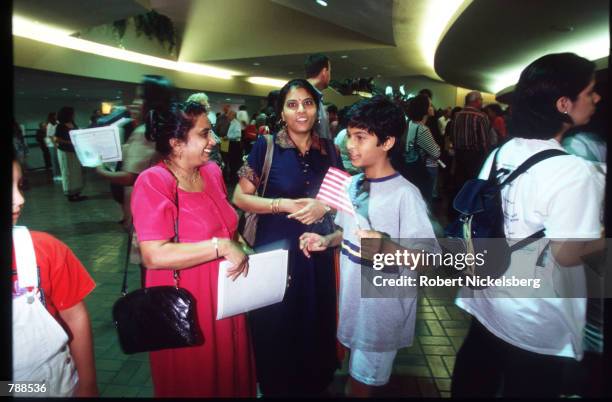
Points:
(371, 368)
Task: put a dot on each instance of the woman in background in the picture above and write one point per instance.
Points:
(50, 140)
(70, 167)
(496, 116)
(421, 152)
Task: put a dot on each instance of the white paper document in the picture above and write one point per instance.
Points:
(265, 284)
(93, 144)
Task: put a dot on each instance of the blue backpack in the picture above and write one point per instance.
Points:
(480, 224)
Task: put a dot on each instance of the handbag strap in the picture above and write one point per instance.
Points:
(175, 273)
(124, 286)
(176, 276)
(265, 173)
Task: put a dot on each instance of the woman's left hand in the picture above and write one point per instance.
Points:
(312, 210)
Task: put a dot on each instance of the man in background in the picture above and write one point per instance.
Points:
(318, 73)
(471, 139)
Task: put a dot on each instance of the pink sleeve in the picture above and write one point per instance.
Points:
(153, 205)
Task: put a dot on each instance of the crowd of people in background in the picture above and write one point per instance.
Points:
(410, 158)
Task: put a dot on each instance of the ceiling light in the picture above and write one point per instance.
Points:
(290, 73)
(364, 68)
(364, 94)
(344, 56)
(592, 46)
(228, 99)
(106, 107)
(256, 64)
(322, 3)
(64, 89)
(433, 24)
(271, 82)
(26, 28)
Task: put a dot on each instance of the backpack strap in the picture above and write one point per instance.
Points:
(539, 157)
(527, 240)
(495, 172)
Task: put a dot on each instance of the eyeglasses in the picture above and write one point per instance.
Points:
(294, 104)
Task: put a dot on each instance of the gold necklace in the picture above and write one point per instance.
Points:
(194, 177)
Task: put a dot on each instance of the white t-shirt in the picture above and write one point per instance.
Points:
(387, 321)
(243, 117)
(234, 131)
(442, 123)
(562, 195)
(212, 118)
(50, 134)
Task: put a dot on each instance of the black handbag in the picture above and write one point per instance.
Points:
(156, 318)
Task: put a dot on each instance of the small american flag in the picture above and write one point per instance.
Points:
(334, 190)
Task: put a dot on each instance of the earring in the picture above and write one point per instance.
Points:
(565, 112)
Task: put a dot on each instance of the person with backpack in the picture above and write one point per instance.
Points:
(520, 340)
(421, 150)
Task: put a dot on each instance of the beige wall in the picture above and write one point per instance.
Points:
(32, 54)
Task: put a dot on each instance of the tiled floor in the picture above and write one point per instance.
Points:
(89, 228)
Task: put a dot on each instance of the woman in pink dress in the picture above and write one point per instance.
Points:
(223, 366)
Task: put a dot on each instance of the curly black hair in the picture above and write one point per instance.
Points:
(173, 122)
